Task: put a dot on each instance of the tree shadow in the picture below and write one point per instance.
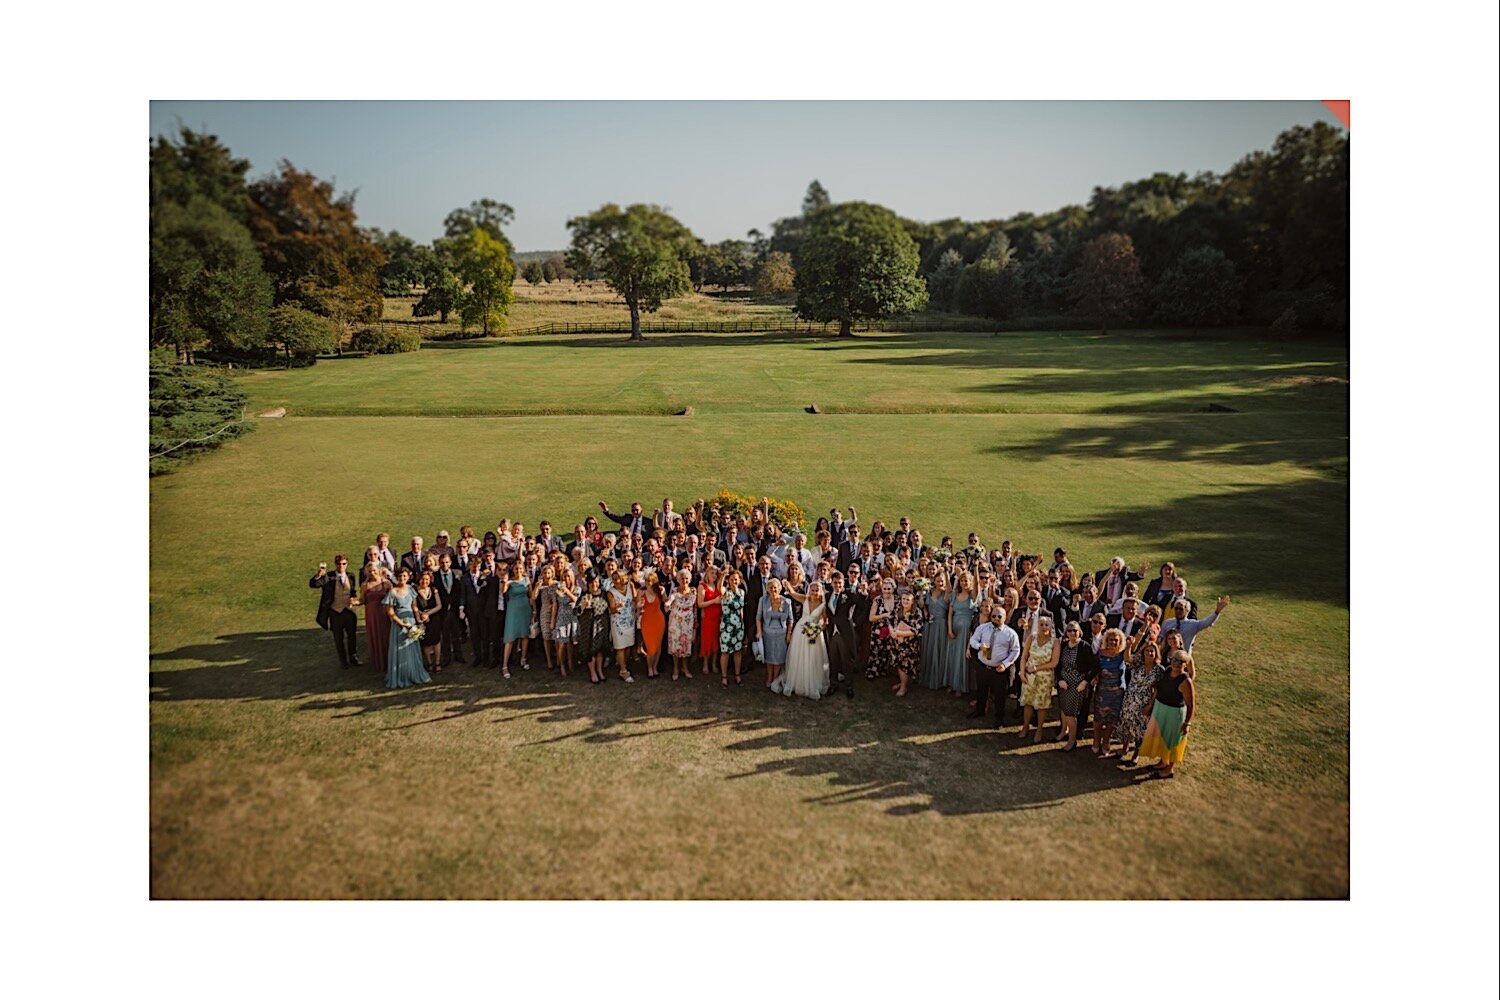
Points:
(1288, 539)
(917, 754)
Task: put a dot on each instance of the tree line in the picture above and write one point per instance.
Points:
(282, 264)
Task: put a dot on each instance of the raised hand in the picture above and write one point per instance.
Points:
(1223, 603)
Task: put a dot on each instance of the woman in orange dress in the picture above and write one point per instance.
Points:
(653, 621)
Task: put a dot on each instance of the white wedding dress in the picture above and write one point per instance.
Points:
(806, 671)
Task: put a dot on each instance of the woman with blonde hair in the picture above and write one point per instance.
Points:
(653, 620)
(1039, 655)
(372, 593)
(773, 623)
(1144, 660)
(681, 619)
(622, 610)
(710, 601)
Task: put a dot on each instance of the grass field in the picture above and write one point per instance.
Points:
(592, 301)
(273, 773)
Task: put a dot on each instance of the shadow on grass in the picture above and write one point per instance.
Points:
(918, 754)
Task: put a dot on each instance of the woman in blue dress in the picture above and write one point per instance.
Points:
(935, 639)
(773, 623)
(960, 623)
(404, 661)
(517, 616)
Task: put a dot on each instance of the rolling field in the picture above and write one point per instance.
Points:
(274, 773)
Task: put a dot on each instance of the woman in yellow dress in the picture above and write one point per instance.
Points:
(1038, 660)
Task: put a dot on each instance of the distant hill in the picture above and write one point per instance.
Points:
(527, 256)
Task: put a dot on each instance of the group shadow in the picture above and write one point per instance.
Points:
(915, 754)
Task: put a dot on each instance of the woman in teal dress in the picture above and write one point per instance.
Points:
(935, 638)
(960, 622)
(517, 616)
(404, 661)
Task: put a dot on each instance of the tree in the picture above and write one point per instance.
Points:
(311, 245)
(555, 268)
(1201, 288)
(988, 288)
(815, 198)
(440, 296)
(533, 272)
(487, 214)
(944, 279)
(641, 252)
(858, 263)
(1108, 280)
(300, 333)
(198, 164)
(206, 282)
(486, 273)
(775, 275)
(406, 261)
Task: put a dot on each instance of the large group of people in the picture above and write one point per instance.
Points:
(715, 591)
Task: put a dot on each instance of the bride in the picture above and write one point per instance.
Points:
(806, 670)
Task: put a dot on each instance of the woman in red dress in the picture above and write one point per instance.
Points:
(710, 600)
(377, 623)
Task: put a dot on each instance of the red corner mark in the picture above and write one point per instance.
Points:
(1340, 110)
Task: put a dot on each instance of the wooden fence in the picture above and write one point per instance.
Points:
(756, 326)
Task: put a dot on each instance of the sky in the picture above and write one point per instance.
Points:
(723, 168)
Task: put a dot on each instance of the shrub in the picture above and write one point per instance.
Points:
(193, 409)
(385, 340)
(785, 512)
(775, 275)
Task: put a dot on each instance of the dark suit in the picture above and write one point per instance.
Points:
(549, 544)
(848, 554)
(341, 623)
(843, 637)
(636, 524)
(755, 589)
(474, 596)
(1164, 601)
(412, 561)
(452, 629)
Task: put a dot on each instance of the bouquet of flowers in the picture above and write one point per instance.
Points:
(812, 630)
(921, 585)
(942, 556)
(415, 632)
(599, 606)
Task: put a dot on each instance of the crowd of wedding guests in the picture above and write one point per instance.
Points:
(709, 590)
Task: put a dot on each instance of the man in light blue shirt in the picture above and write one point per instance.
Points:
(995, 648)
(1190, 627)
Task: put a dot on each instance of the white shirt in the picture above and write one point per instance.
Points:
(1005, 647)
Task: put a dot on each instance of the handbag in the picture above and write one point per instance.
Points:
(757, 649)
(536, 629)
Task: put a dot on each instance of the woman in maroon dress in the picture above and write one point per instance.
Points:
(377, 624)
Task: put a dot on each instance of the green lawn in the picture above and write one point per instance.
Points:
(275, 774)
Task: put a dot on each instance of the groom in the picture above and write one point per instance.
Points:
(845, 607)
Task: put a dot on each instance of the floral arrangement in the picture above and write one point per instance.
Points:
(812, 630)
(598, 606)
(415, 632)
(921, 585)
(783, 512)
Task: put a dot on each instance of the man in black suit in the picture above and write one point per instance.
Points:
(471, 603)
(755, 589)
(846, 608)
(1055, 599)
(413, 559)
(636, 523)
(447, 582)
(336, 607)
(1179, 591)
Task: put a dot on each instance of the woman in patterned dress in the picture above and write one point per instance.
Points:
(732, 627)
(1039, 656)
(545, 600)
(680, 605)
(1145, 665)
(622, 604)
(882, 612)
(1077, 667)
(565, 624)
(906, 641)
(1109, 690)
(593, 628)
